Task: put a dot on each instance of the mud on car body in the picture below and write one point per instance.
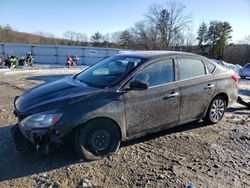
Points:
(123, 97)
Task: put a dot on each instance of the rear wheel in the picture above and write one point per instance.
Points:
(97, 138)
(216, 110)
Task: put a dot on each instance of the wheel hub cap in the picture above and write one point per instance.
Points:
(217, 110)
(100, 140)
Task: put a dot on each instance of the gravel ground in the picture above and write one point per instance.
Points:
(206, 156)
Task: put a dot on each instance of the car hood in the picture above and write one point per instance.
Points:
(53, 95)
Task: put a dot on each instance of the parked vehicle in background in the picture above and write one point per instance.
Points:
(22, 61)
(220, 62)
(237, 68)
(123, 97)
(245, 71)
(11, 61)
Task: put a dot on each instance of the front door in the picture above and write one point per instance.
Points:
(159, 105)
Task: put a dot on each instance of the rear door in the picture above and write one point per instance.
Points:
(159, 105)
(196, 88)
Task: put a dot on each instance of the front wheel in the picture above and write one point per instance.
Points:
(216, 110)
(97, 138)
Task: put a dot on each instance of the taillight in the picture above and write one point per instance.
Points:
(235, 77)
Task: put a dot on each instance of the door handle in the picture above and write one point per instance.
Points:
(171, 95)
(209, 86)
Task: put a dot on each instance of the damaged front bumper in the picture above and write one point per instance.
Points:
(41, 131)
(22, 144)
(28, 139)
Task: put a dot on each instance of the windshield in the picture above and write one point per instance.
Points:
(110, 71)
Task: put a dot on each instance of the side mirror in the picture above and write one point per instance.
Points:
(138, 85)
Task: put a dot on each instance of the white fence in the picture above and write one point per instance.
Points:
(56, 54)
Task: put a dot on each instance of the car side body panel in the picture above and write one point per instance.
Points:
(151, 108)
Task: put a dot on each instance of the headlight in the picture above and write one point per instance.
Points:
(41, 120)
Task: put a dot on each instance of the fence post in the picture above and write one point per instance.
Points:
(32, 51)
(4, 51)
(57, 55)
(83, 55)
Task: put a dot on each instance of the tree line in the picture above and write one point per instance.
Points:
(164, 27)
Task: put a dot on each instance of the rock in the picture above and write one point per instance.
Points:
(244, 137)
(211, 158)
(176, 161)
(42, 179)
(161, 176)
(44, 175)
(56, 184)
(84, 183)
(189, 167)
(196, 160)
(123, 178)
(216, 166)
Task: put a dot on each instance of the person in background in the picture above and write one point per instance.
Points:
(75, 59)
(1, 60)
(29, 59)
(69, 61)
(7, 60)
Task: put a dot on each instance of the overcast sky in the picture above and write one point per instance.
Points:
(88, 16)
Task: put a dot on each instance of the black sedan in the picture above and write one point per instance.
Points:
(123, 97)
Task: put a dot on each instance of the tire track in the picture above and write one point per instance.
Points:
(12, 86)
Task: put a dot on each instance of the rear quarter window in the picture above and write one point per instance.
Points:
(210, 67)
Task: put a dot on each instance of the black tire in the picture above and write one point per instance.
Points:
(97, 138)
(216, 110)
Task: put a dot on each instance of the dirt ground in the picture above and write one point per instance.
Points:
(206, 156)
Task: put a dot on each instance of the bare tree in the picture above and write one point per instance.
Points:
(80, 37)
(70, 35)
(6, 33)
(115, 37)
(145, 35)
(245, 40)
(169, 21)
(189, 37)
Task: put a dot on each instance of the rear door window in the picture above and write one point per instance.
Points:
(190, 68)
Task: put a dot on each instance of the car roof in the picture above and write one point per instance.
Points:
(153, 54)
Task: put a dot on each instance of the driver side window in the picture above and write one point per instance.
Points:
(157, 73)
